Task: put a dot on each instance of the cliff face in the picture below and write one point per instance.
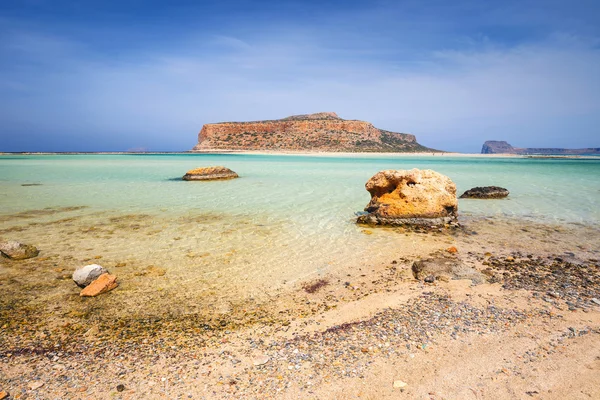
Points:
(501, 147)
(312, 132)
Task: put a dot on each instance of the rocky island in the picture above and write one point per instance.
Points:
(323, 131)
(502, 147)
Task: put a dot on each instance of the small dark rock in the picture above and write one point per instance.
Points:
(485, 192)
(429, 279)
(120, 387)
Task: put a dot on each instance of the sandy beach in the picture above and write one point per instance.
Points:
(373, 331)
(296, 153)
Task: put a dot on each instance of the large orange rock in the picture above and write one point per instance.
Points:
(103, 284)
(415, 197)
(209, 174)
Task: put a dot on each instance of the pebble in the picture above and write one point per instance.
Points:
(400, 384)
(261, 360)
(35, 385)
(103, 284)
(120, 388)
(3, 394)
(85, 275)
(595, 300)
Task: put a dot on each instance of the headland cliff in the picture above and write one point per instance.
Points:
(323, 131)
(502, 147)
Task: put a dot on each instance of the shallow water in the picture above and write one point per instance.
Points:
(306, 188)
(286, 220)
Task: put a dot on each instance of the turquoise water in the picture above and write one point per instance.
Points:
(316, 190)
(285, 220)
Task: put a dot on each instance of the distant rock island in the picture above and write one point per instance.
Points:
(323, 131)
(501, 147)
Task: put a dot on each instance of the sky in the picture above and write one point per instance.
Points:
(103, 75)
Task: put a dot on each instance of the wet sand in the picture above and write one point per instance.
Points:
(354, 330)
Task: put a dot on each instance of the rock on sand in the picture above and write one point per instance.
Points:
(18, 251)
(103, 284)
(83, 276)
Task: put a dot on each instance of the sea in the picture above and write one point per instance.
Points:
(181, 247)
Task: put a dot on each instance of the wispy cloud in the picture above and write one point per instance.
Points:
(453, 93)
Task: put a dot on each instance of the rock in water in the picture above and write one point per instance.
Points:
(209, 174)
(18, 251)
(103, 284)
(83, 276)
(445, 269)
(415, 197)
(485, 192)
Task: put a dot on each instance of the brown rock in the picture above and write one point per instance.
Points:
(415, 197)
(209, 174)
(35, 385)
(18, 251)
(444, 269)
(452, 250)
(3, 394)
(313, 132)
(103, 284)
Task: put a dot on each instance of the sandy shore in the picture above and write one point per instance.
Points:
(337, 154)
(532, 330)
(288, 152)
(323, 154)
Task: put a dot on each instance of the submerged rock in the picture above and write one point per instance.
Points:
(103, 284)
(209, 174)
(415, 197)
(445, 269)
(485, 192)
(83, 276)
(18, 251)
(151, 270)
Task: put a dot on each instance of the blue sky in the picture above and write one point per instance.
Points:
(134, 74)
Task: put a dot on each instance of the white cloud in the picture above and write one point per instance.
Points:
(452, 99)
